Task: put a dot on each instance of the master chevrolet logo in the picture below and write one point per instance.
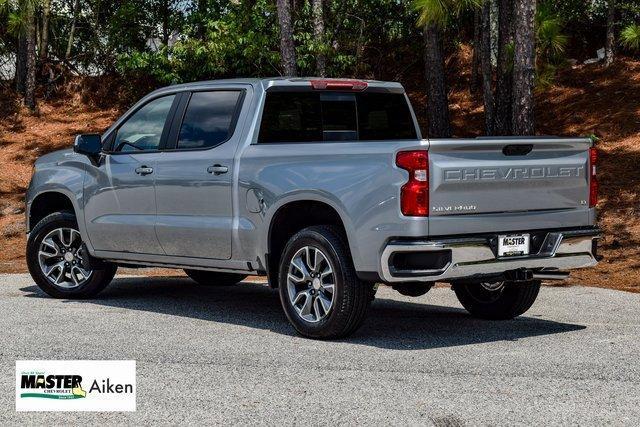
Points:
(52, 386)
(514, 174)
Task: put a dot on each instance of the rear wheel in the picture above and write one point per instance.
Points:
(57, 260)
(213, 278)
(319, 290)
(497, 300)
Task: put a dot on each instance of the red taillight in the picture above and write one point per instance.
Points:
(414, 195)
(328, 84)
(593, 180)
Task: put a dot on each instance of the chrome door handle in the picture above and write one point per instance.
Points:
(217, 169)
(144, 170)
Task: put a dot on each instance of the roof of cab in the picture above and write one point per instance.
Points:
(277, 81)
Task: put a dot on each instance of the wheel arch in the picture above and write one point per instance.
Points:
(291, 216)
(46, 203)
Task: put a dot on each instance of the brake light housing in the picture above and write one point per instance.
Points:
(332, 84)
(593, 180)
(414, 195)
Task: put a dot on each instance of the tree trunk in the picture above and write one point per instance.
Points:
(30, 83)
(437, 101)
(487, 68)
(318, 33)
(524, 67)
(44, 39)
(504, 85)
(202, 10)
(165, 22)
(495, 30)
(287, 48)
(476, 75)
(76, 11)
(21, 64)
(610, 47)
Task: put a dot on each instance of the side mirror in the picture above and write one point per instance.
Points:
(88, 144)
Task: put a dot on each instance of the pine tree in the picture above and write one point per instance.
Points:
(524, 67)
(287, 48)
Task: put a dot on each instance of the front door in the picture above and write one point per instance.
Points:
(194, 177)
(120, 203)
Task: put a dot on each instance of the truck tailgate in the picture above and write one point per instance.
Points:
(507, 177)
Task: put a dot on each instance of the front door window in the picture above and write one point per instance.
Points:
(143, 130)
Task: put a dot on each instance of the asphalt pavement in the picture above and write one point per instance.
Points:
(228, 356)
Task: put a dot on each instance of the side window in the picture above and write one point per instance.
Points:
(384, 116)
(291, 117)
(208, 119)
(143, 130)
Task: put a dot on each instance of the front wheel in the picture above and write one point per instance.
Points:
(497, 300)
(56, 259)
(319, 290)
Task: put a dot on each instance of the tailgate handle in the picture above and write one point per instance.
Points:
(517, 150)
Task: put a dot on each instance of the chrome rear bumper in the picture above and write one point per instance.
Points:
(562, 250)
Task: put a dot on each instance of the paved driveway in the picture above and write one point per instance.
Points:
(227, 355)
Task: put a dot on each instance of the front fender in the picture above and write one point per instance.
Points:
(65, 177)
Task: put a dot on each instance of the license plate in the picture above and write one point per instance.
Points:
(513, 245)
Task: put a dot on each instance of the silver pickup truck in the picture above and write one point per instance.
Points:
(323, 185)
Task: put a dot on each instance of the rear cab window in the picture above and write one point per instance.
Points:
(209, 119)
(334, 116)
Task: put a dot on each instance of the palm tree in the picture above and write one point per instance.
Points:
(287, 48)
(433, 17)
(551, 43)
(630, 37)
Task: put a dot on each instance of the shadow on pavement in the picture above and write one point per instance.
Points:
(391, 324)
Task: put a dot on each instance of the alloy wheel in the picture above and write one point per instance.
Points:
(311, 284)
(61, 258)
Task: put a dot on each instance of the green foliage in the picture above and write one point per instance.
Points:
(550, 39)
(240, 41)
(551, 43)
(439, 12)
(159, 42)
(630, 37)
(15, 14)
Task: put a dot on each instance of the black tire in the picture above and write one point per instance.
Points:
(512, 300)
(98, 279)
(213, 278)
(351, 297)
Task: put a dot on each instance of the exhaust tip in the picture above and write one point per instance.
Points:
(550, 275)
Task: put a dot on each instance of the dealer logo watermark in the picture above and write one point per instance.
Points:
(75, 385)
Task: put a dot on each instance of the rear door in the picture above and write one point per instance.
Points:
(536, 178)
(194, 176)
